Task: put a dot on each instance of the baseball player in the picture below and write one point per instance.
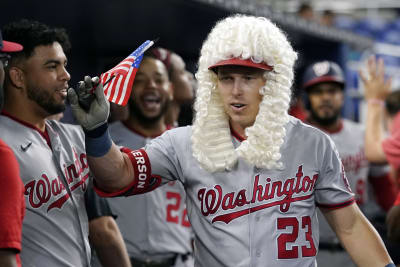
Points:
(253, 175)
(51, 155)
(324, 83)
(181, 80)
(104, 236)
(12, 203)
(162, 234)
(378, 148)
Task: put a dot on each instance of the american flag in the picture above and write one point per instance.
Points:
(118, 81)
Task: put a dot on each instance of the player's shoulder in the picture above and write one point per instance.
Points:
(179, 132)
(8, 124)
(179, 136)
(305, 133)
(13, 131)
(296, 126)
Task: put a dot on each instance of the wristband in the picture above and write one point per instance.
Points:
(376, 101)
(98, 141)
(390, 265)
(96, 132)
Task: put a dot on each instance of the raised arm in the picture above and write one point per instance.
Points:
(111, 168)
(358, 236)
(376, 90)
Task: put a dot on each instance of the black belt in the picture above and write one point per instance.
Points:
(331, 246)
(168, 262)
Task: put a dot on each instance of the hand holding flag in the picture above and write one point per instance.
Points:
(117, 82)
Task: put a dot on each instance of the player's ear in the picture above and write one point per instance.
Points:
(16, 77)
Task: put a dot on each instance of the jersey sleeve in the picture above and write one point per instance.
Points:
(332, 189)
(164, 158)
(12, 203)
(153, 165)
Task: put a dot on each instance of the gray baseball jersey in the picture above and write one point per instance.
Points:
(250, 216)
(153, 224)
(55, 227)
(349, 141)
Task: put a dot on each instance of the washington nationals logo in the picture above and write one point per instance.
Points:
(213, 199)
(321, 68)
(44, 189)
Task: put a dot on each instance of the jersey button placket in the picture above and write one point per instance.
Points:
(255, 251)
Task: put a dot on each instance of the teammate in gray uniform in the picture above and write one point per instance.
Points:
(162, 233)
(253, 175)
(51, 155)
(104, 236)
(324, 84)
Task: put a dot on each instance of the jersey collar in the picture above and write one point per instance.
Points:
(236, 135)
(168, 127)
(44, 133)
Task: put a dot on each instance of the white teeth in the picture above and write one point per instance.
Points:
(237, 105)
(151, 98)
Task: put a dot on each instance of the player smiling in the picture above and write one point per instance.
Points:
(241, 131)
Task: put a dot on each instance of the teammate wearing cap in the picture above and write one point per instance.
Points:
(12, 203)
(253, 175)
(51, 156)
(162, 233)
(324, 85)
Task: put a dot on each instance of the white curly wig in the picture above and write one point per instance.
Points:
(244, 37)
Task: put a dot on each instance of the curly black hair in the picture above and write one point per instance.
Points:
(31, 34)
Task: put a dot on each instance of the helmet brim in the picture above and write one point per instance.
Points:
(241, 62)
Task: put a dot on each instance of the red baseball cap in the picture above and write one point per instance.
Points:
(6, 46)
(241, 62)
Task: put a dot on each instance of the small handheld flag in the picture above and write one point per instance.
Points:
(117, 82)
